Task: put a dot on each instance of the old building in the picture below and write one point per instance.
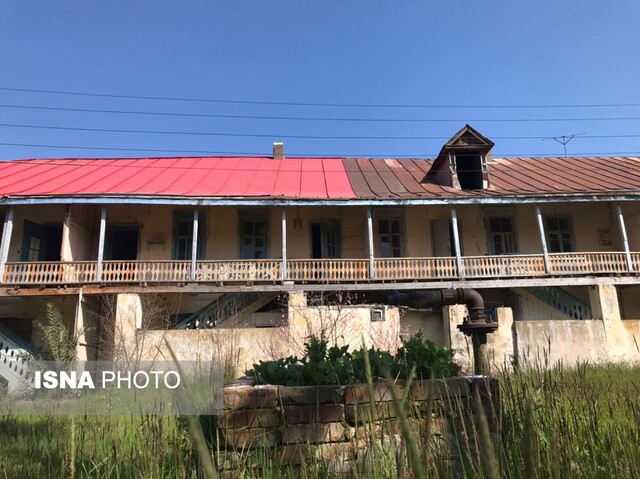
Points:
(553, 244)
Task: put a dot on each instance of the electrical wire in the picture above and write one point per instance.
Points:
(284, 103)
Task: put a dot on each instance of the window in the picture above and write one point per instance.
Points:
(325, 239)
(41, 242)
(390, 237)
(469, 168)
(183, 235)
(559, 234)
(254, 235)
(502, 235)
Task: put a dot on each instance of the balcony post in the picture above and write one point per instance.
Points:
(370, 239)
(103, 229)
(284, 243)
(6, 240)
(194, 244)
(456, 242)
(543, 240)
(625, 239)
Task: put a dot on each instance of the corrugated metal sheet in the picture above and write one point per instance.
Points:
(508, 177)
(313, 178)
(309, 178)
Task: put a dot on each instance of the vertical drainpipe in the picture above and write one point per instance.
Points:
(194, 244)
(370, 238)
(6, 240)
(625, 239)
(456, 242)
(284, 243)
(543, 240)
(103, 229)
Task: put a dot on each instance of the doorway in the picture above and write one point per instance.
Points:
(122, 243)
(41, 242)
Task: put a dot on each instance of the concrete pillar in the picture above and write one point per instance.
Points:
(80, 330)
(620, 344)
(128, 321)
(604, 302)
(454, 339)
(500, 343)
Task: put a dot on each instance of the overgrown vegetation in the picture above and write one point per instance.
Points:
(564, 422)
(59, 344)
(324, 365)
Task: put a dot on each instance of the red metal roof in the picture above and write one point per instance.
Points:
(312, 178)
(309, 178)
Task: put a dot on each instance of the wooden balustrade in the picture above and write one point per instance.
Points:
(587, 263)
(504, 266)
(414, 268)
(317, 270)
(328, 270)
(238, 271)
(50, 272)
(145, 271)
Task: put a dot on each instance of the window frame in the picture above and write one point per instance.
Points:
(513, 233)
(548, 231)
(185, 216)
(254, 216)
(390, 215)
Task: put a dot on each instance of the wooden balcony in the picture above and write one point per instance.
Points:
(317, 270)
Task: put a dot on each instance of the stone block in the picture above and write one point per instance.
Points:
(312, 414)
(250, 397)
(252, 418)
(439, 389)
(311, 395)
(313, 433)
(248, 437)
(359, 393)
(362, 413)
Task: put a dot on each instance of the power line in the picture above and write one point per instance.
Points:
(303, 118)
(284, 103)
(279, 135)
(303, 155)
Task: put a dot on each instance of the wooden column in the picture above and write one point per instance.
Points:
(456, 242)
(103, 229)
(625, 239)
(6, 240)
(284, 243)
(543, 240)
(370, 238)
(194, 244)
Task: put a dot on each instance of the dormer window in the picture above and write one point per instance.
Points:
(470, 170)
(462, 162)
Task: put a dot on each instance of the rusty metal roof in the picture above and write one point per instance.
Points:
(509, 177)
(309, 178)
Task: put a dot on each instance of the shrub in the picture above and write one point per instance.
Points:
(324, 365)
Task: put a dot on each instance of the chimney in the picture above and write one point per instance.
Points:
(278, 151)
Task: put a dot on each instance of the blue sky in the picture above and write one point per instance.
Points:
(429, 55)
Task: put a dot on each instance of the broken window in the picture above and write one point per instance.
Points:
(469, 169)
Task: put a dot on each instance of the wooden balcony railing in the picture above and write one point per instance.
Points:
(328, 270)
(318, 270)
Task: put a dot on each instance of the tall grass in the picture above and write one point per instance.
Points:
(581, 422)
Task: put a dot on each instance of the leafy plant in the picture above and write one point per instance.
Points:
(59, 343)
(323, 365)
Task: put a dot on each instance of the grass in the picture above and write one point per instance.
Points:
(579, 422)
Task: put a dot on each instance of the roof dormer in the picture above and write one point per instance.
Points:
(462, 162)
